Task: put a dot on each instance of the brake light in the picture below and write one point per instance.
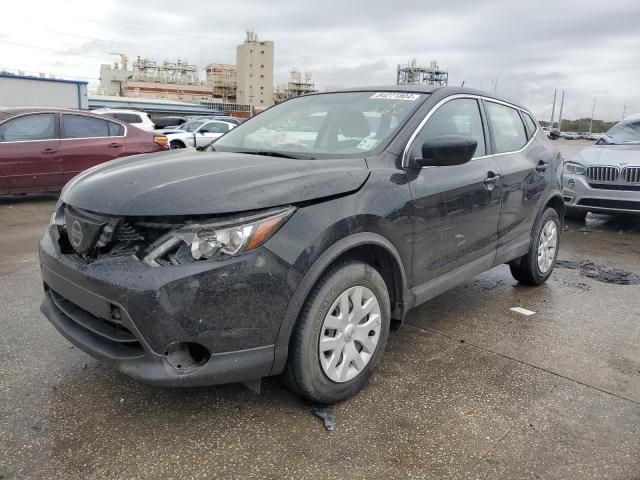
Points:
(161, 140)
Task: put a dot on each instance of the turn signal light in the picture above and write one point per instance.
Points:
(161, 140)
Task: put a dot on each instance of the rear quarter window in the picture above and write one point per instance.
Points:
(126, 117)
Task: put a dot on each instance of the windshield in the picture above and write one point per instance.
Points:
(324, 125)
(622, 133)
(191, 126)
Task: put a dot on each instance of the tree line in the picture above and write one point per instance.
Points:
(582, 125)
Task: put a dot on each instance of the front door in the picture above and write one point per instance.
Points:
(30, 158)
(457, 208)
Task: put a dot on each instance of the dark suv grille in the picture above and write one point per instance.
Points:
(90, 236)
(112, 334)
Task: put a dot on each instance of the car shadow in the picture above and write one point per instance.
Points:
(28, 198)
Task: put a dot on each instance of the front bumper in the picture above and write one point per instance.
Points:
(579, 194)
(127, 314)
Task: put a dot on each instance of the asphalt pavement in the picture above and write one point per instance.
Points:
(467, 388)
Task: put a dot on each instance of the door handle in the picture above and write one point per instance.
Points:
(115, 145)
(490, 181)
(541, 167)
(49, 151)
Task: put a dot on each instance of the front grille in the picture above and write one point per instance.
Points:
(112, 334)
(613, 204)
(603, 174)
(631, 174)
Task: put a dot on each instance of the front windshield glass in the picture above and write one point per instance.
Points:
(191, 126)
(622, 133)
(324, 125)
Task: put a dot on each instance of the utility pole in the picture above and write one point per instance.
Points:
(624, 111)
(593, 110)
(561, 108)
(553, 109)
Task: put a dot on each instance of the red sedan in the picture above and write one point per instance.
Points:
(42, 148)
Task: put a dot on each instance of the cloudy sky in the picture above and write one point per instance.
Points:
(528, 48)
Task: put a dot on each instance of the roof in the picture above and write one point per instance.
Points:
(41, 79)
(5, 112)
(428, 89)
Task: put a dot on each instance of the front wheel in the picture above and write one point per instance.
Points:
(176, 144)
(341, 334)
(536, 266)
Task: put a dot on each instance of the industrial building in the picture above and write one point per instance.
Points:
(223, 77)
(254, 61)
(150, 79)
(414, 74)
(298, 84)
(29, 91)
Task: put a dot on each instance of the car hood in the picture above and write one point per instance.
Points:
(196, 183)
(615, 155)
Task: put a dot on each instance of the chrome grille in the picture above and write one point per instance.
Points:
(631, 174)
(602, 174)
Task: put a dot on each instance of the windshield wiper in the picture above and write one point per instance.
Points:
(274, 153)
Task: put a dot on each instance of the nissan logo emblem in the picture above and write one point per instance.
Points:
(76, 234)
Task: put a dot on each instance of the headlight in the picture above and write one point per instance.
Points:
(202, 241)
(575, 168)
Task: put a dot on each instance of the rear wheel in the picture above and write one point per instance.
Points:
(341, 334)
(536, 266)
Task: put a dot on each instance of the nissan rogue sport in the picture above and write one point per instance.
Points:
(290, 250)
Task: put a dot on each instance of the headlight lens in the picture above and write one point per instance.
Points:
(575, 168)
(212, 240)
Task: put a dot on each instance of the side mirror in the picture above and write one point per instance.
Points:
(446, 150)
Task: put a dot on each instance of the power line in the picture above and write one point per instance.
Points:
(200, 37)
(63, 52)
(164, 49)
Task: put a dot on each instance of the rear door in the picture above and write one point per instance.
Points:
(88, 141)
(523, 164)
(464, 198)
(30, 158)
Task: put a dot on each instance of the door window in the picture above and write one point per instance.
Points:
(115, 129)
(80, 126)
(215, 127)
(460, 116)
(41, 126)
(507, 127)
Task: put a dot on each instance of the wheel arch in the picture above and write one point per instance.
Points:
(369, 247)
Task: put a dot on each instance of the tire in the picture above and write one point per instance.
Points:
(313, 377)
(527, 269)
(176, 144)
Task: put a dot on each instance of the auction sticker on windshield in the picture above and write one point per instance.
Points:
(396, 96)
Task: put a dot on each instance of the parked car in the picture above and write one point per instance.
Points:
(227, 118)
(554, 134)
(136, 118)
(569, 135)
(169, 122)
(605, 177)
(197, 133)
(42, 148)
(269, 255)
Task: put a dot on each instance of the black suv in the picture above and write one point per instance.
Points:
(296, 244)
